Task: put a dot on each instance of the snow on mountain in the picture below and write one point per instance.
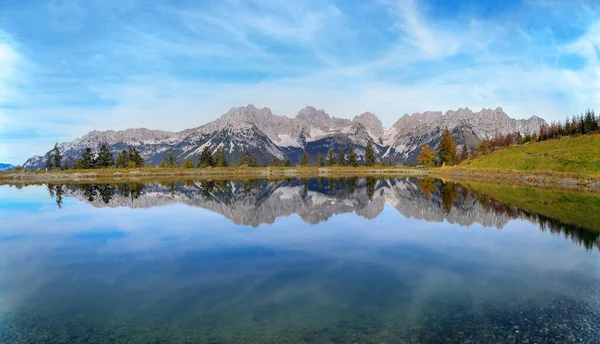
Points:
(268, 135)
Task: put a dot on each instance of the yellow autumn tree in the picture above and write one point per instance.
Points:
(426, 157)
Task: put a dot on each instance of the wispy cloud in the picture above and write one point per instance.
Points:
(77, 66)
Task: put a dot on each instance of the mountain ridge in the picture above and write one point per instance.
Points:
(269, 135)
(6, 167)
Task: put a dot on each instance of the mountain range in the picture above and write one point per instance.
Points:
(268, 135)
(6, 167)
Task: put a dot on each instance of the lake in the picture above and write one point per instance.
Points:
(350, 260)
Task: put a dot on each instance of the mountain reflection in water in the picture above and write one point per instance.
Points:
(347, 260)
(256, 202)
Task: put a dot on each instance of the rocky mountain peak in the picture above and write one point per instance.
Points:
(371, 123)
(249, 113)
(312, 115)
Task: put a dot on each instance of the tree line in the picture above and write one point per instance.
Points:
(582, 124)
(127, 158)
(219, 159)
(131, 158)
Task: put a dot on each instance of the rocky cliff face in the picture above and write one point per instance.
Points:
(268, 135)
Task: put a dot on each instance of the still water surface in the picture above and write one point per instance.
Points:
(351, 260)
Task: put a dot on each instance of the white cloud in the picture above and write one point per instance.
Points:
(287, 55)
(9, 77)
(8, 70)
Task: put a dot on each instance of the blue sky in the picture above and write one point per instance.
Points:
(67, 66)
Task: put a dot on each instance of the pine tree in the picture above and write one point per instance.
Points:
(49, 162)
(370, 158)
(320, 162)
(68, 163)
(188, 164)
(105, 157)
(353, 158)
(447, 149)
(206, 158)
(220, 158)
(342, 157)
(170, 161)
(135, 159)
(254, 162)
(87, 159)
(426, 157)
(304, 159)
(331, 160)
(246, 157)
(590, 122)
(57, 157)
(287, 162)
(275, 162)
(123, 159)
(464, 154)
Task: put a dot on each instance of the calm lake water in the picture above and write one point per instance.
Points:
(355, 260)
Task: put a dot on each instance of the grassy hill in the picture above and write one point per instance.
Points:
(580, 155)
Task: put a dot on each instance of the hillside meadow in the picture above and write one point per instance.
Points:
(571, 155)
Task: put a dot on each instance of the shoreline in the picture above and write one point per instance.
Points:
(545, 180)
(154, 174)
(554, 180)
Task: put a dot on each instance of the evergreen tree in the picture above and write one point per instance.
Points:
(49, 162)
(342, 157)
(206, 158)
(220, 158)
(87, 159)
(447, 149)
(188, 164)
(68, 163)
(275, 162)
(426, 157)
(246, 157)
(304, 160)
(123, 159)
(170, 161)
(464, 153)
(57, 157)
(331, 160)
(370, 158)
(135, 159)
(105, 157)
(353, 158)
(254, 161)
(590, 122)
(320, 162)
(287, 162)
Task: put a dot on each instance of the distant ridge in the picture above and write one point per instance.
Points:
(6, 167)
(268, 135)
